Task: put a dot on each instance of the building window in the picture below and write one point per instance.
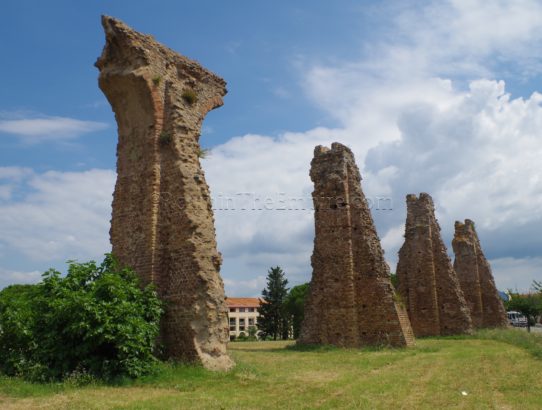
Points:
(232, 324)
(232, 309)
(241, 325)
(251, 321)
(251, 309)
(241, 309)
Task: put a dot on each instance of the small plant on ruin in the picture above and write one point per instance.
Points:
(203, 153)
(398, 298)
(157, 80)
(165, 138)
(189, 96)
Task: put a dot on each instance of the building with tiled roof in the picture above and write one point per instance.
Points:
(242, 314)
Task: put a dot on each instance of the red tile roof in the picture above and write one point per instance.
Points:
(243, 302)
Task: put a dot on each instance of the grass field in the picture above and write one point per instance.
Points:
(495, 369)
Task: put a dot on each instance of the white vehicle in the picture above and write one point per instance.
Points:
(516, 319)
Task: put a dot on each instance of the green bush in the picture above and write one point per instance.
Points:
(95, 321)
(189, 96)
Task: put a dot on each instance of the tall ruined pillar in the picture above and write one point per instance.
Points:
(427, 282)
(351, 301)
(476, 279)
(162, 223)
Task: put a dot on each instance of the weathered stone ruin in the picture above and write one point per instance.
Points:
(476, 279)
(427, 281)
(351, 302)
(162, 223)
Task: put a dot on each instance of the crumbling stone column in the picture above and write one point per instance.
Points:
(351, 302)
(162, 224)
(427, 282)
(476, 279)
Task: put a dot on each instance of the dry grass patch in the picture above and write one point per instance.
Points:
(493, 374)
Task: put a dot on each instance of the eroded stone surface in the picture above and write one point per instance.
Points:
(162, 223)
(427, 282)
(351, 302)
(476, 278)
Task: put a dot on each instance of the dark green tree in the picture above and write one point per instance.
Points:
(528, 305)
(273, 320)
(394, 281)
(295, 306)
(537, 286)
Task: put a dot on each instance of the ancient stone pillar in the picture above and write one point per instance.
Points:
(162, 224)
(351, 302)
(427, 281)
(476, 279)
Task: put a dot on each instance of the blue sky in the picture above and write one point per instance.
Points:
(440, 97)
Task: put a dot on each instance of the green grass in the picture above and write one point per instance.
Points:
(497, 369)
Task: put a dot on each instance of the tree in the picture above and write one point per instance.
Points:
(295, 306)
(252, 333)
(96, 320)
(273, 320)
(537, 286)
(528, 305)
(394, 281)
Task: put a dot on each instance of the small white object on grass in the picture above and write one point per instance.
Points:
(464, 393)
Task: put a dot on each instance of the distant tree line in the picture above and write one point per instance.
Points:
(529, 305)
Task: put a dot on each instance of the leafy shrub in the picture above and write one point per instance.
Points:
(96, 321)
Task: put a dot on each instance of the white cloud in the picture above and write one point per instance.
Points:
(247, 288)
(46, 128)
(516, 273)
(418, 116)
(10, 277)
(58, 216)
(421, 110)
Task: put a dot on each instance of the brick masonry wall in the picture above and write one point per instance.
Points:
(476, 278)
(351, 302)
(162, 223)
(427, 281)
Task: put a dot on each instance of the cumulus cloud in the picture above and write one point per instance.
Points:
(10, 277)
(423, 109)
(56, 215)
(245, 288)
(418, 118)
(46, 128)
